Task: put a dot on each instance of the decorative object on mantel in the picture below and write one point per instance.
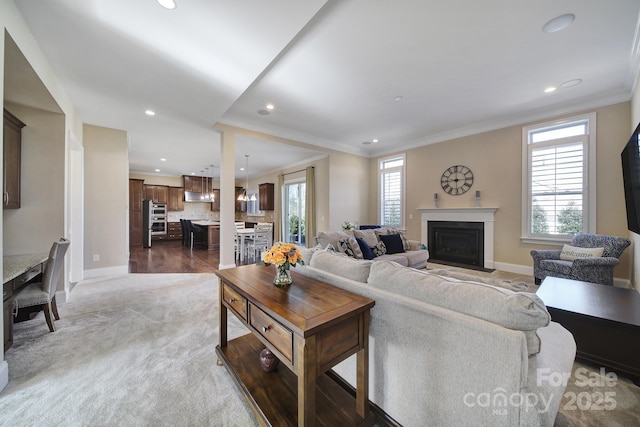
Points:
(348, 225)
(268, 361)
(435, 200)
(284, 256)
(456, 180)
(477, 198)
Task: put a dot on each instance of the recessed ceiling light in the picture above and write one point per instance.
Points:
(398, 98)
(241, 169)
(263, 112)
(571, 83)
(550, 89)
(150, 112)
(374, 140)
(167, 4)
(157, 170)
(193, 173)
(163, 160)
(270, 107)
(558, 23)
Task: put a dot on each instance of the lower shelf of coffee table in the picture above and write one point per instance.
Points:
(273, 395)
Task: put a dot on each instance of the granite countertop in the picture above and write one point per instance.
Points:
(15, 265)
(206, 222)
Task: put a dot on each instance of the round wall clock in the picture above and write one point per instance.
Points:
(456, 180)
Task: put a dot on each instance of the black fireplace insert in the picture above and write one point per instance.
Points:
(457, 243)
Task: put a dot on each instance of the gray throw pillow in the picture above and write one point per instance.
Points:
(349, 245)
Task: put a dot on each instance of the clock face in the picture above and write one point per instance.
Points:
(456, 180)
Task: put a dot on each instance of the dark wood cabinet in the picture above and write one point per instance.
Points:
(176, 199)
(192, 183)
(136, 195)
(265, 197)
(174, 231)
(12, 134)
(215, 205)
(157, 193)
(241, 206)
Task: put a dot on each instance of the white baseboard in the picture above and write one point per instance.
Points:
(4, 374)
(109, 271)
(514, 268)
(225, 266)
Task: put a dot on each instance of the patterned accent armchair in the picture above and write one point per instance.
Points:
(594, 270)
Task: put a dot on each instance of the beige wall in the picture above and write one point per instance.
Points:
(106, 199)
(40, 219)
(496, 162)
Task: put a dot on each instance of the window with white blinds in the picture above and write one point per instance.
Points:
(392, 191)
(556, 172)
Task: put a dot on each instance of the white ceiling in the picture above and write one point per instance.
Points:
(332, 69)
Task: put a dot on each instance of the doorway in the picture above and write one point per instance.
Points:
(294, 212)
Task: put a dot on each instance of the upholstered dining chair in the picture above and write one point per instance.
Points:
(594, 269)
(43, 293)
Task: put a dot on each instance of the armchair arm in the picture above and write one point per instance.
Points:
(545, 254)
(594, 270)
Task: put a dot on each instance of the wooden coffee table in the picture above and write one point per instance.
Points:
(310, 326)
(604, 320)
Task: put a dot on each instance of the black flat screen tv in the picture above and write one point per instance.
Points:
(631, 178)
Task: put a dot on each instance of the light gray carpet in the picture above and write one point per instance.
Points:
(139, 350)
(135, 350)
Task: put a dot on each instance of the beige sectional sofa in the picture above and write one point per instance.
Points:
(412, 256)
(445, 351)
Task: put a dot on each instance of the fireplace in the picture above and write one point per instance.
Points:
(457, 242)
(482, 215)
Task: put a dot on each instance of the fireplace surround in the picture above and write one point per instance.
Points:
(481, 215)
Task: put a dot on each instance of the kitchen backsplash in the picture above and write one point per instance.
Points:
(195, 210)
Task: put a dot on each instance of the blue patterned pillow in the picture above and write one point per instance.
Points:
(379, 248)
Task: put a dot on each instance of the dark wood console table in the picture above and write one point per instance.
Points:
(310, 326)
(604, 321)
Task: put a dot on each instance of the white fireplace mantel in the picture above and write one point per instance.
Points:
(484, 215)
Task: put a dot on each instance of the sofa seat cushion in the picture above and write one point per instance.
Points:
(342, 265)
(399, 258)
(514, 310)
(417, 259)
(560, 267)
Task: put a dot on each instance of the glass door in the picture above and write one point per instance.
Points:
(294, 212)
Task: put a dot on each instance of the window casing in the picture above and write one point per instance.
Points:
(558, 179)
(392, 191)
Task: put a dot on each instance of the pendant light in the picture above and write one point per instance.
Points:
(212, 195)
(201, 185)
(243, 197)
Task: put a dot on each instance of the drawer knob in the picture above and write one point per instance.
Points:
(232, 300)
(265, 328)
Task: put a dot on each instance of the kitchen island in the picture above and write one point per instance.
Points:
(212, 232)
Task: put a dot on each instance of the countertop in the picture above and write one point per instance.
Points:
(15, 265)
(206, 223)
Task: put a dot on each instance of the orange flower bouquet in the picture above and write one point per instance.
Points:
(284, 256)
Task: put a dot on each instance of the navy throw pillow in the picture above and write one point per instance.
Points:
(393, 243)
(367, 253)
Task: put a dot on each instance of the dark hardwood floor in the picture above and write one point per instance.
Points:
(171, 257)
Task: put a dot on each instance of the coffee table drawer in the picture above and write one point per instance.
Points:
(235, 301)
(272, 331)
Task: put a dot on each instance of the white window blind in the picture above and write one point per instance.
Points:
(557, 203)
(392, 191)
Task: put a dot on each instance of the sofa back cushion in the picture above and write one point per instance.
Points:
(368, 236)
(514, 310)
(341, 265)
(332, 237)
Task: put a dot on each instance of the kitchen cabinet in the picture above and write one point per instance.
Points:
(241, 206)
(176, 199)
(265, 197)
(136, 195)
(157, 193)
(192, 183)
(174, 231)
(12, 134)
(215, 205)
